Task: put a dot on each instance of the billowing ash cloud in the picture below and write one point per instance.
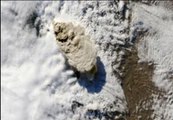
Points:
(77, 46)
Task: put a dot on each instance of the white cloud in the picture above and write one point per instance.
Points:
(35, 83)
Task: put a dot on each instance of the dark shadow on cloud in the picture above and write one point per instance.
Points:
(96, 85)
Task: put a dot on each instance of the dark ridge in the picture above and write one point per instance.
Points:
(38, 27)
(75, 105)
(108, 115)
(33, 21)
(60, 5)
(13, 12)
(30, 21)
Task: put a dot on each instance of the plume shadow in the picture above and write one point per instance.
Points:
(96, 85)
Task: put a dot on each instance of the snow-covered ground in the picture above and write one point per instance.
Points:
(156, 46)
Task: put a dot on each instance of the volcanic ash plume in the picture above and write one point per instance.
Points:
(77, 47)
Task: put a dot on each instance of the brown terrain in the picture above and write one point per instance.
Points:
(138, 86)
(137, 83)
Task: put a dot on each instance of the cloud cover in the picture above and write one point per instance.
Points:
(36, 84)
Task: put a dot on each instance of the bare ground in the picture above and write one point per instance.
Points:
(138, 86)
